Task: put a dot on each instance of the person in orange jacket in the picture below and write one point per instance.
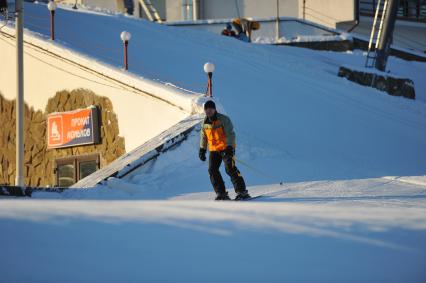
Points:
(217, 132)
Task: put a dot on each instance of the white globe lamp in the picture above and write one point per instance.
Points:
(209, 67)
(125, 36)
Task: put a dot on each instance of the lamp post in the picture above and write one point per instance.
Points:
(125, 37)
(209, 69)
(52, 7)
(19, 176)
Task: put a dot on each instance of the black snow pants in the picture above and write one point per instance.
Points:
(215, 160)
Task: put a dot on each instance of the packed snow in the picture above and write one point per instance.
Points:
(346, 231)
(351, 160)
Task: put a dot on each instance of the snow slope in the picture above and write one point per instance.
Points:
(370, 230)
(336, 218)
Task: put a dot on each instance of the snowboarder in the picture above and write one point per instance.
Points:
(217, 132)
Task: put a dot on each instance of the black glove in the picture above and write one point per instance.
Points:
(202, 154)
(229, 151)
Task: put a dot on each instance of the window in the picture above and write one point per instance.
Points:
(187, 10)
(70, 170)
(66, 174)
(87, 167)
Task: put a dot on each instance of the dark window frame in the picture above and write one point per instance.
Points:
(75, 160)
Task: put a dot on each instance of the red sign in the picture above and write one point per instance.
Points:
(72, 128)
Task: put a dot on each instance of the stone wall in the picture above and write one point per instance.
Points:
(40, 161)
(393, 86)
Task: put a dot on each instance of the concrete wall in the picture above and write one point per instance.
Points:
(223, 9)
(173, 10)
(252, 8)
(328, 12)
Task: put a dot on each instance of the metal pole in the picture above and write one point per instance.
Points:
(304, 9)
(52, 25)
(278, 21)
(126, 57)
(386, 39)
(19, 181)
(209, 85)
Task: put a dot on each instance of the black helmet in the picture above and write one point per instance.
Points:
(209, 104)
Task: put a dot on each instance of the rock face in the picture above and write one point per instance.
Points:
(40, 161)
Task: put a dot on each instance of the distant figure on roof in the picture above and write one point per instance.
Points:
(244, 28)
(228, 31)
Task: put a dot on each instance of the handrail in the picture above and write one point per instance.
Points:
(141, 155)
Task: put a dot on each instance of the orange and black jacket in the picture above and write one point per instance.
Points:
(217, 133)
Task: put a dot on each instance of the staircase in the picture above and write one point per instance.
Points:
(150, 11)
(376, 33)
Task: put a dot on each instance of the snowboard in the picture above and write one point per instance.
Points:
(250, 198)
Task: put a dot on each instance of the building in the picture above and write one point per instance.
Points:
(325, 12)
(330, 13)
